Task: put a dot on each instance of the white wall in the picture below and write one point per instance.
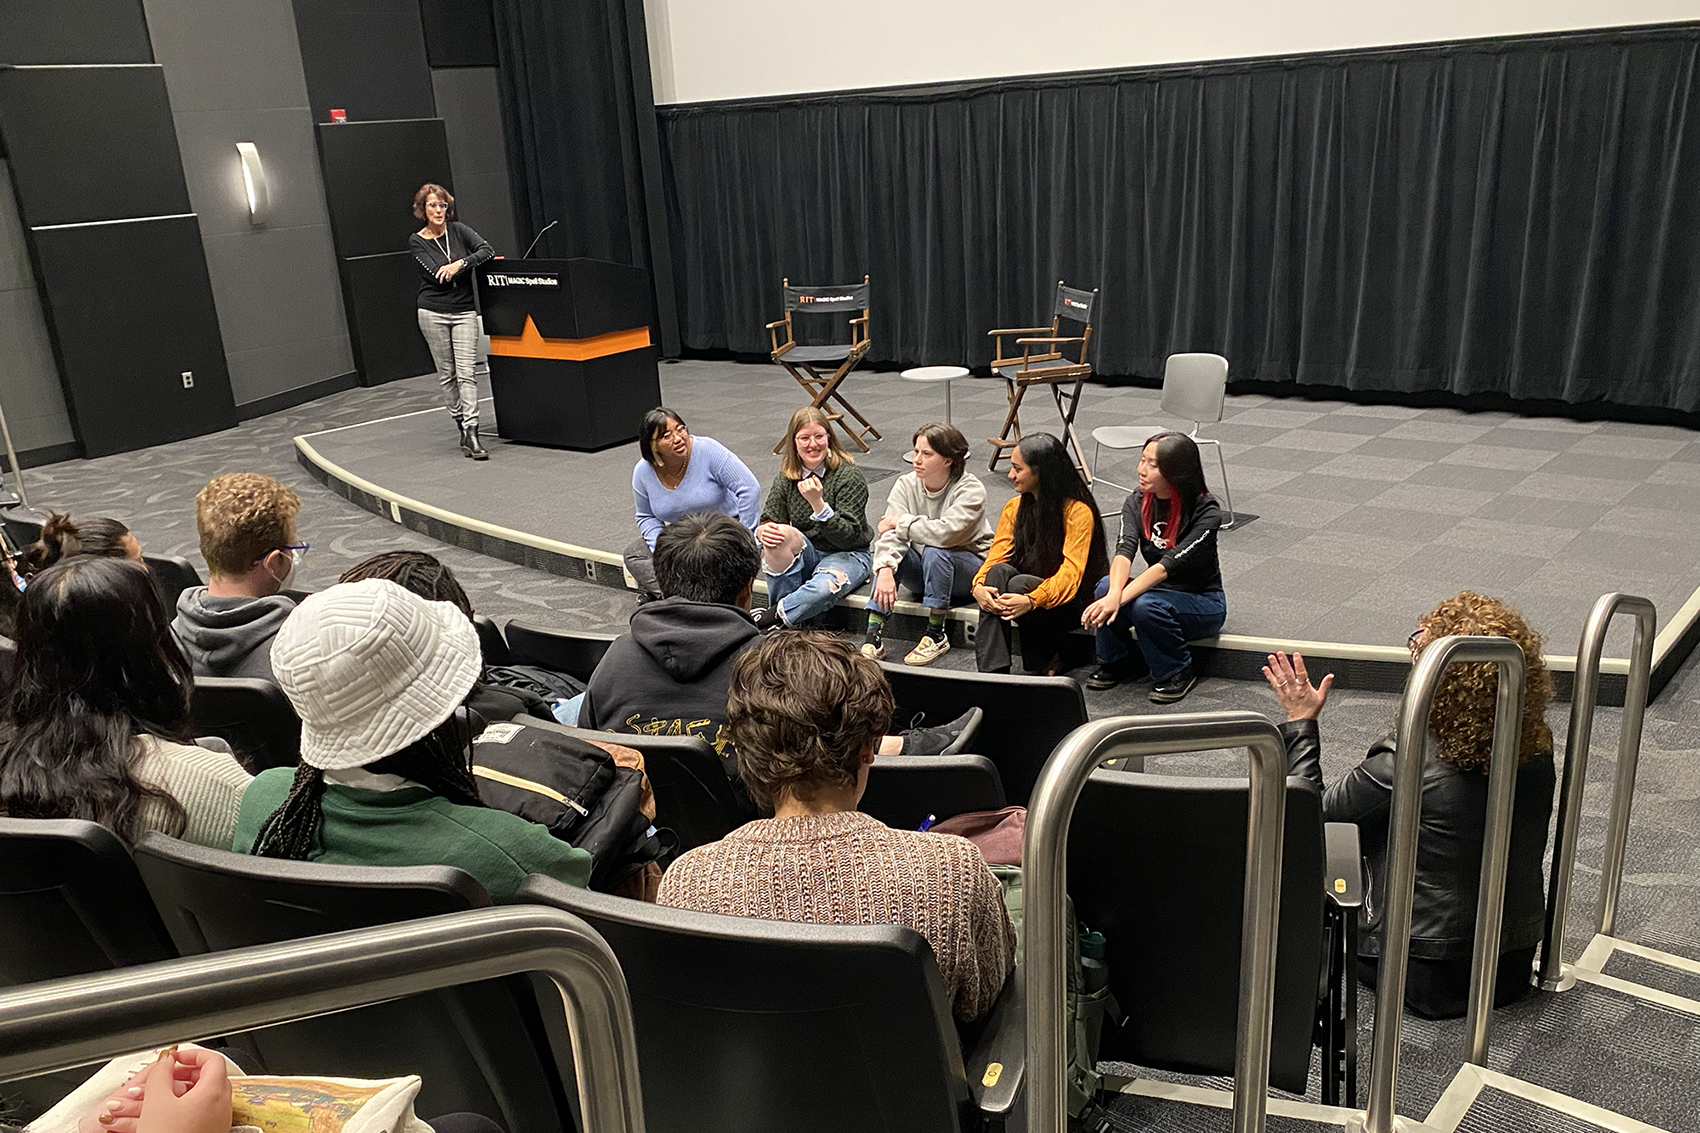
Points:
(715, 49)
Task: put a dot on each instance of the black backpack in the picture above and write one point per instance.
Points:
(575, 789)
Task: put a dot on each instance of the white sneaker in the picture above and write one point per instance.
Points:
(874, 649)
(928, 650)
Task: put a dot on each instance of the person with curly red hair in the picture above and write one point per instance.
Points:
(1456, 756)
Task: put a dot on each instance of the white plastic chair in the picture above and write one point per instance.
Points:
(1194, 387)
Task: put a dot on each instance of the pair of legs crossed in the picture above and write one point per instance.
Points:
(802, 581)
(1042, 630)
(1164, 620)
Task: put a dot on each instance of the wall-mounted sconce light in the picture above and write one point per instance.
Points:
(254, 183)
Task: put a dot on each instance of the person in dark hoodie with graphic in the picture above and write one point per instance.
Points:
(669, 676)
(247, 527)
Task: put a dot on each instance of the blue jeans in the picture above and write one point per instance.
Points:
(808, 587)
(1165, 621)
(941, 576)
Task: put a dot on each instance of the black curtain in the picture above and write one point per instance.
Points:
(579, 115)
(1517, 217)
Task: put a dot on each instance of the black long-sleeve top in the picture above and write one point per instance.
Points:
(1190, 556)
(462, 243)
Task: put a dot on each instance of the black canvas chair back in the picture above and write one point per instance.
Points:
(252, 716)
(1025, 716)
(172, 574)
(693, 797)
(478, 1048)
(751, 1026)
(71, 902)
(904, 790)
(821, 363)
(1157, 864)
(570, 651)
(1074, 305)
(491, 644)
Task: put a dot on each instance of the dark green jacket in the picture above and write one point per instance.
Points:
(845, 492)
(412, 826)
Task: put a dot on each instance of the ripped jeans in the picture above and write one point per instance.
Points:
(809, 585)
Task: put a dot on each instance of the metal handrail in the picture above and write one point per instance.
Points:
(1045, 868)
(1552, 975)
(1402, 855)
(65, 1023)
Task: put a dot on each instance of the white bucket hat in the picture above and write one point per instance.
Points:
(370, 668)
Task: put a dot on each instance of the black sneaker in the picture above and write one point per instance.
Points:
(1174, 688)
(767, 618)
(1109, 676)
(947, 739)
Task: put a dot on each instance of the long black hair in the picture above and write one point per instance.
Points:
(1178, 462)
(440, 761)
(1039, 520)
(96, 666)
(61, 538)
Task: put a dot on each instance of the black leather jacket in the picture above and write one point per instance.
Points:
(1449, 847)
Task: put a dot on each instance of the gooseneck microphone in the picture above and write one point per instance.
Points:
(545, 228)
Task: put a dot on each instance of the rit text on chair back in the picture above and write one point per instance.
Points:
(821, 369)
(1048, 356)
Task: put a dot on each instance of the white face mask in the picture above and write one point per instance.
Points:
(288, 574)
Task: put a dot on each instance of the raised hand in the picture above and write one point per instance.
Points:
(1292, 686)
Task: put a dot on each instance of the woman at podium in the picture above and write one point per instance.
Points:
(447, 251)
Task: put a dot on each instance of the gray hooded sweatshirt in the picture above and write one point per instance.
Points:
(229, 637)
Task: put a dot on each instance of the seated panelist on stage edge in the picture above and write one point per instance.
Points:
(933, 538)
(1170, 521)
(1046, 556)
(814, 531)
(680, 474)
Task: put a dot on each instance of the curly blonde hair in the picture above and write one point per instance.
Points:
(243, 517)
(1462, 719)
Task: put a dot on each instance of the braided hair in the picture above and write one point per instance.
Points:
(440, 761)
(423, 574)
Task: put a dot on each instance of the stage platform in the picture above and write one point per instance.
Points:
(1366, 515)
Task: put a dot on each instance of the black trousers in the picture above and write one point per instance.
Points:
(1042, 630)
(1440, 989)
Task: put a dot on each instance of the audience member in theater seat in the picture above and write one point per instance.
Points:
(1046, 558)
(814, 529)
(96, 722)
(669, 675)
(377, 675)
(1456, 756)
(432, 580)
(247, 526)
(806, 711)
(680, 474)
(933, 539)
(1170, 521)
(91, 535)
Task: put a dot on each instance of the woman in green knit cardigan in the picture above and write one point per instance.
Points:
(814, 530)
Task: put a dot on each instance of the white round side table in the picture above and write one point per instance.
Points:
(945, 374)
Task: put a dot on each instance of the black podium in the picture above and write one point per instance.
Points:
(571, 362)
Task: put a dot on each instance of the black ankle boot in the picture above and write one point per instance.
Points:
(469, 443)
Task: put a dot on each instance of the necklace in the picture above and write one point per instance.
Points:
(680, 478)
(444, 238)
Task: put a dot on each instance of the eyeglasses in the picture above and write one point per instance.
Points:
(1414, 642)
(297, 551)
(435, 205)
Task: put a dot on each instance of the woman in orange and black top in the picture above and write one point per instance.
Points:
(1046, 558)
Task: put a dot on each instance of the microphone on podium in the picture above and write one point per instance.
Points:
(533, 247)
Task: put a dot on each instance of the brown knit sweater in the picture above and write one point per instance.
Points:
(852, 869)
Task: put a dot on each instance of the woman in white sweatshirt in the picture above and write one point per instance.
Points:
(932, 539)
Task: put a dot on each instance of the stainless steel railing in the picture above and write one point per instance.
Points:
(1045, 882)
(64, 1023)
(1551, 974)
(1402, 855)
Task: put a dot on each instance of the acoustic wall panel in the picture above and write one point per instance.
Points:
(372, 170)
(382, 296)
(73, 31)
(91, 143)
(366, 57)
(459, 33)
(131, 309)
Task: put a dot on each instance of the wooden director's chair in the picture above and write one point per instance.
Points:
(1053, 367)
(802, 361)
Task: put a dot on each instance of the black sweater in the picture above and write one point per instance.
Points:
(464, 244)
(1190, 558)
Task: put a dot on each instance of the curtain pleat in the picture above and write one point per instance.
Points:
(1518, 217)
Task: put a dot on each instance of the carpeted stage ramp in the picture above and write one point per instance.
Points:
(1365, 515)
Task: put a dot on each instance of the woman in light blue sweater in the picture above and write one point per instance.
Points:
(680, 474)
